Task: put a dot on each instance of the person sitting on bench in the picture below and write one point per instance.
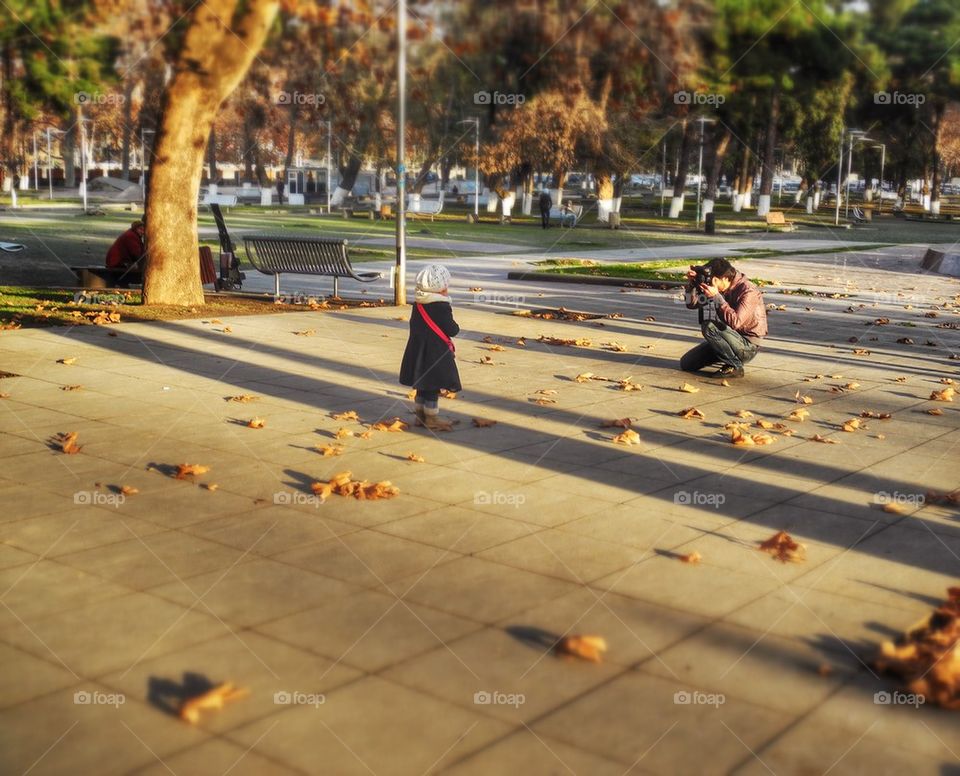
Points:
(127, 251)
(128, 248)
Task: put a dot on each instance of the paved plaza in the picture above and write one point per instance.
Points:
(414, 635)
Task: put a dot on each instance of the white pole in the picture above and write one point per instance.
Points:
(83, 157)
(846, 207)
(700, 172)
(36, 175)
(836, 216)
(476, 172)
(329, 162)
(400, 277)
(883, 158)
(49, 165)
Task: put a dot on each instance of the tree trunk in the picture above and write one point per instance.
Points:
(421, 179)
(248, 148)
(720, 148)
(680, 182)
(291, 137)
(127, 128)
(212, 61)
(68, 150)
(769, 155)
(212, 155)
(935, 186)
(604, 196)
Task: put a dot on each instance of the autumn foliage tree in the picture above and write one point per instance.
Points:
(221, 40)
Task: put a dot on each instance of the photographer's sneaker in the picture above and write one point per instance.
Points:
(729, 371)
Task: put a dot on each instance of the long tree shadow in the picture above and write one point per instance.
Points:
(321, 394)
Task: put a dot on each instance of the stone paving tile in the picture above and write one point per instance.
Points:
(569, 556)
(702, 589)
(136, 626)
(371, 725)
(459, 529)
(26, 677)
(536, 755)
(480, 589)
(216, 756)
(147, 561)
(253, 592)
(373, 629)
(662, 733)
(368, 558)
(270, 530)
(892, 566)
(62, 533)
(58, 733)
(44, 588)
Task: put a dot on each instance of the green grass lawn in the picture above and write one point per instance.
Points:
(671, 269)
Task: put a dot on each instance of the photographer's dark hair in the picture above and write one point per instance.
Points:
(721, 268)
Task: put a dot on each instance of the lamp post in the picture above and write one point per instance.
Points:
(883, 158)
(329, 162)
(700, 167)
(36, 175)
(143, 163)
(83, 155)
(476, 168)
(400, 271)
(854, 134)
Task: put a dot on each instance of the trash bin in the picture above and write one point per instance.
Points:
(614, 220)
(710, 223)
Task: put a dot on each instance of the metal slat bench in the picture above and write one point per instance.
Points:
(303, 256)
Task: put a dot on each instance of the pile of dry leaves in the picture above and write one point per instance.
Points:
(927, 657)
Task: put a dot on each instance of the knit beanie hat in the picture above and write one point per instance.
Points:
(432, 284)
(433, 279)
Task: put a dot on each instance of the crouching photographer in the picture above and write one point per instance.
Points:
(732, 315)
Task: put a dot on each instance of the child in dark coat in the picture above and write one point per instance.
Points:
(429, 364)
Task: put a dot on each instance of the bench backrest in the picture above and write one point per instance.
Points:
(226, 244)
(775, 217)
(305, 255)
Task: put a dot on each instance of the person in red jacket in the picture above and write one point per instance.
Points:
(128, 248)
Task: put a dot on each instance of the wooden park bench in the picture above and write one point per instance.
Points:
(303, 256)
(223, 200)
(567, 217)
(776, 218)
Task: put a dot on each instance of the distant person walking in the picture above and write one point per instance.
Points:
(545, 204)
(280, 189)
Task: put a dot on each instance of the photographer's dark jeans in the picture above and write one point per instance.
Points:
(723, 346)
